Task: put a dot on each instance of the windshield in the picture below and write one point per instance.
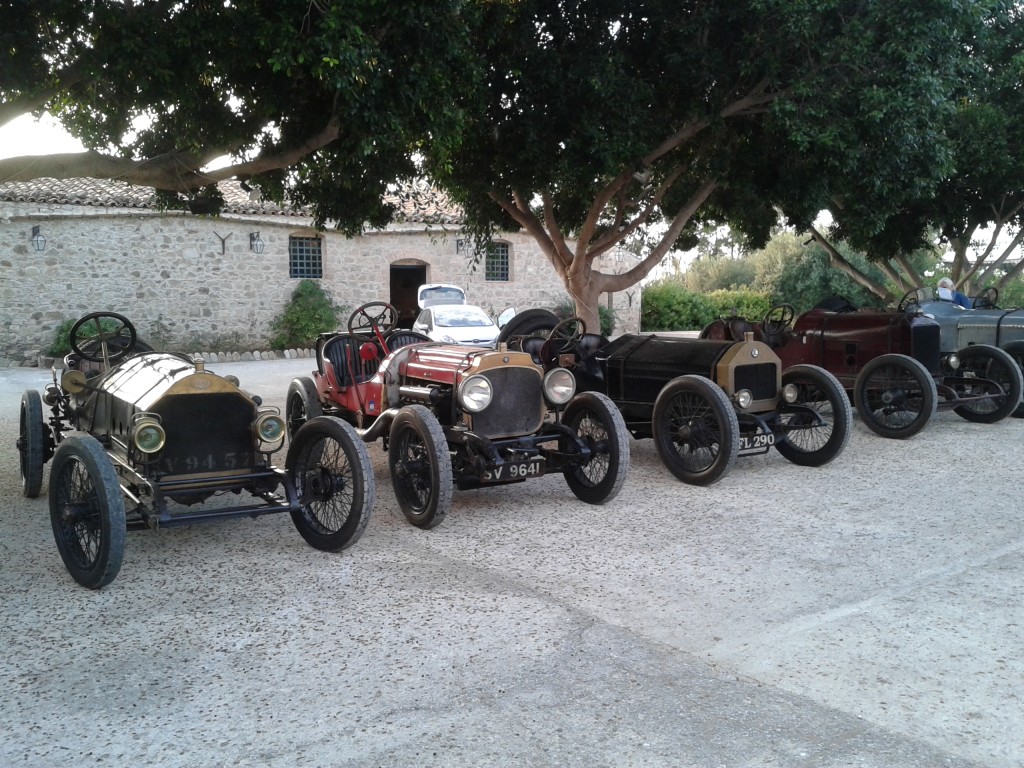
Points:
(442, 294)
(461, 316)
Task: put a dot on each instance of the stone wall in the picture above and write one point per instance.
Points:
(192, 283)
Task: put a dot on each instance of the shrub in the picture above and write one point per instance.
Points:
(308, 313)
(741, 302)
(61, 345)
(667, 306)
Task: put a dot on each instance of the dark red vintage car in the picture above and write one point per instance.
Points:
(892, 363)
(457, 416)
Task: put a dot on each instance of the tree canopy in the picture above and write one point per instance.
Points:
(582, 122)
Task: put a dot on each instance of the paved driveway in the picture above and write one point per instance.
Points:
(867, 613)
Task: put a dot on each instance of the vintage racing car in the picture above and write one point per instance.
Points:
(986, 323)
(704, 402)
(893, 363)
(137, 438)
(457, 416)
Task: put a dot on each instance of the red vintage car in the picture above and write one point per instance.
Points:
(456, 416)
(891, 362)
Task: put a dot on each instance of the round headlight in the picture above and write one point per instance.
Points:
(475, 393)
(559, 386)
(148, 435)
(953, 360)
(790, 393)
(270, 427)
(744, 398)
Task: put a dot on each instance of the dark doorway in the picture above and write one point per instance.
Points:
(405, 280)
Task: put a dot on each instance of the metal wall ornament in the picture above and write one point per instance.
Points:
(37, 239)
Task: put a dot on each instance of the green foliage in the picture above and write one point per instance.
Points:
(308, 313)
(807, 278)
(741, 302)
(61, 345)
(710, 274)
(666, 305)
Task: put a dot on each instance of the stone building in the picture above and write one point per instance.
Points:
(198, 282)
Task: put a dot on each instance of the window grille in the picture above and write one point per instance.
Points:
(305, 257)
(496, 263)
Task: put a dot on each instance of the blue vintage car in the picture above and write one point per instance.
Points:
(986, 323)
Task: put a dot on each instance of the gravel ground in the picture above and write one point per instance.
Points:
(866, 614)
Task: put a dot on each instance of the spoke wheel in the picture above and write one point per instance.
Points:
(302, 404)
(816, 427)
(1015, 349)
(31, 444)
(421, 466)
(87, 511)
(996, 367)
(330, 466)
(598, 423)
(695, 430)
(895, 396)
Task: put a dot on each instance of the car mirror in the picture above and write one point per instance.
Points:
(505, 316)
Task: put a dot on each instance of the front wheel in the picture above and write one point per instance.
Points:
(895, 396)
(302, 404)
(982, 361)
(421, 466)
(31, 444)
(598, 423)
(331, 469)
(695, 429)
(87, 511)
(816, 426)
(1015, 349)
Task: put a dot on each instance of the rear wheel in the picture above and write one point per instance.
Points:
(994, 365)
(895, 396)
(816, 427)
(421, 466)
(31, 444)
(331, 469)
(1015, 349)
(529, 322)
(87, 511)
(303, 404)
(695, 430)
(598, 423)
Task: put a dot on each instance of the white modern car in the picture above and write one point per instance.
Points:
(457, 324)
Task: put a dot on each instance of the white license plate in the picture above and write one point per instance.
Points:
(761, 440)
(515, 470)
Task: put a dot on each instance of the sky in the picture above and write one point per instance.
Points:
(25, 136)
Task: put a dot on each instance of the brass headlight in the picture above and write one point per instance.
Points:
(147, 433)
(559, 386)
(269, 427)
(475, 393)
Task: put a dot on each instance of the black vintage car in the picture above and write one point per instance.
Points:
(139, 438)
(704, 402)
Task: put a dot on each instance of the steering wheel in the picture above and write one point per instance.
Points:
(987, 299)
(778, 319)
(101, 342)
(567, 334)
(376, 318)
(910, 298)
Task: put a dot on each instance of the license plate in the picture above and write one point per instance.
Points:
(760, 441)
(515, 470)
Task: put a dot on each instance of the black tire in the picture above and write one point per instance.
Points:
(820, 391)
(996, 365)
(87, 511)
(695, 429)
(31, 444)
(331, 469)
(527, 323)
(302, 404)
(596, 420)
(421, 466)
(895, 396)
(1015, 349)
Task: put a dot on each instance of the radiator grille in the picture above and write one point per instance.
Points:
(760, 379)
(925, 345)
(206, 433)
(518, 405)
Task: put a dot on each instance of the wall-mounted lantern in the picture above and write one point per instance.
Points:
(37, 238)
(255, 243)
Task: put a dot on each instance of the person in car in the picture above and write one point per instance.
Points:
(947, 292)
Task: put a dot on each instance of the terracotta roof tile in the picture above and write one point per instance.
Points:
(416, 202)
